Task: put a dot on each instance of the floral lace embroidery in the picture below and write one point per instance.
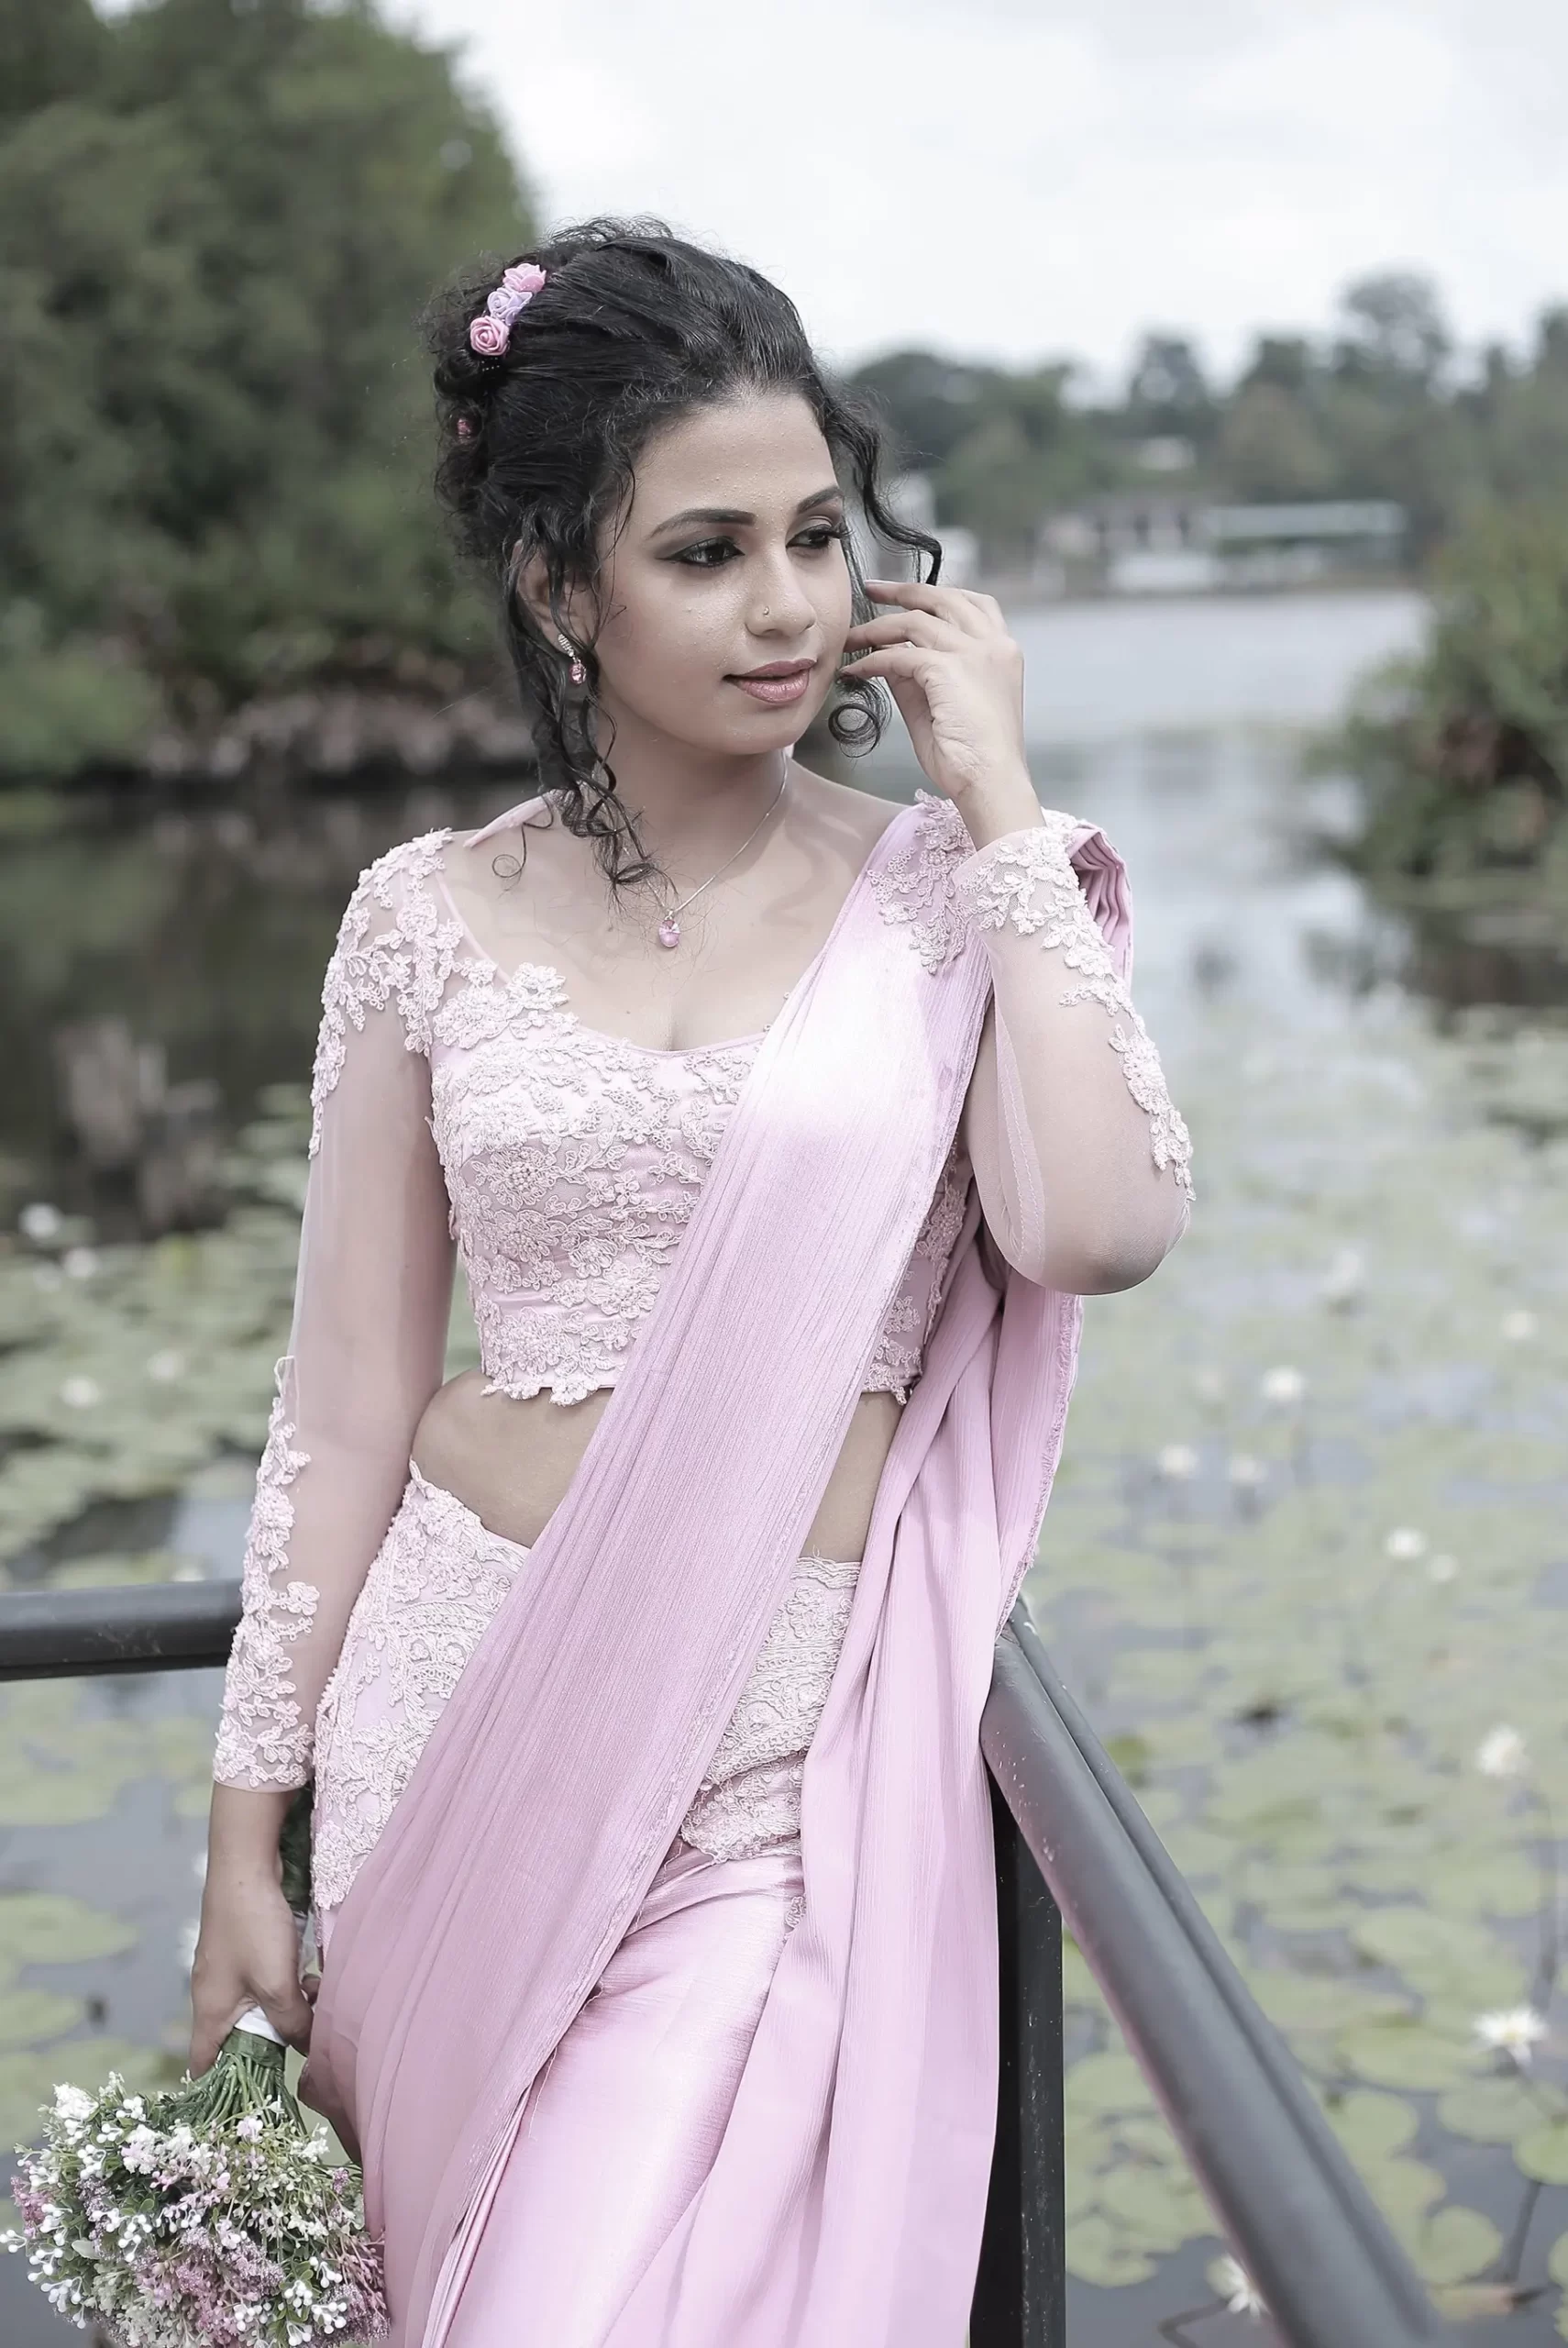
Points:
(915, 886)
(261, 1739)
(411, 960)
(1026, 879)
(438, 1578)
(749, 1799)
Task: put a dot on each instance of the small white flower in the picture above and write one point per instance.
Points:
(1405, 1543)
(1518, 1326)
(1345, 1278)
(1514, 2029)
(1441, 1568)
(40, 1221)
(1236, 2287)
(1179, 1461)
(1246, 1472)
(250, 2127)
(166, 1364)
(1501, 1753)
(72, 2103)
(79, 1263)
(1282, 1386)
(80, 1393)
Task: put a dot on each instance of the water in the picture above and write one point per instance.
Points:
(1215, 1578)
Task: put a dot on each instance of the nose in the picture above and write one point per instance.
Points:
(779, 604)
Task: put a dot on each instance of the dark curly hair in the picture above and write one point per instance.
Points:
(632, 327)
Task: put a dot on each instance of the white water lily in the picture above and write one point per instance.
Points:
(1443, 1567)
(1345, 1278)
(80, 1394)
(40, 1221)
(1502, 1753)
(1404, 1543)
(1514, 2031)
(1518, 1326)
(1179, 1461)
(79, 1263)
(1282, 1386)
(1236, 2287)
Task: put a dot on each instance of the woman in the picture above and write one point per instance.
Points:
(781, 1132)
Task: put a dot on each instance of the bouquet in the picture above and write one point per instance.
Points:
(208, 2216)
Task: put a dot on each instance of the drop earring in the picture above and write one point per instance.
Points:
(577, 672)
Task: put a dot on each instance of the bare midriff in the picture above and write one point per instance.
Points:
(511, 1461)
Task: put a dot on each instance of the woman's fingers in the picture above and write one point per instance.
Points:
(976, 615)
(913, 662)
(930, 628)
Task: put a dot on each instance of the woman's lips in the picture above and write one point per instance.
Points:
(776, 690)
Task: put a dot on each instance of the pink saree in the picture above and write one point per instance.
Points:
(845, 2200)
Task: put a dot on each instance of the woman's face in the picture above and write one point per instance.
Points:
(726, 592)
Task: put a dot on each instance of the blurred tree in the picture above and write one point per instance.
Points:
(1271, 445)
(1394, 330)
(45, 52)
(214, 250)
(1167, 391)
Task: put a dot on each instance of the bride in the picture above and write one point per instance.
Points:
(781, 1132)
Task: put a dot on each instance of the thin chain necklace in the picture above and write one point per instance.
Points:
(669, 927)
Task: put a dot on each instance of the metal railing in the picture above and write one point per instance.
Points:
(1071, 1841)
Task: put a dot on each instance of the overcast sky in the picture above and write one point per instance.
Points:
(1024, 178)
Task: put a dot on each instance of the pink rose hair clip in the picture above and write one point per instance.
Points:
(490, 333)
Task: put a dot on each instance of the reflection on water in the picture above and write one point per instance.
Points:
(1313, 1476)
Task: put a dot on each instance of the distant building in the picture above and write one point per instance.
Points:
(1152, 542)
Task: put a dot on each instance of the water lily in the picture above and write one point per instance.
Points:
(1502, 1753)
(1345, 1278)
(79, 1263)
(1236, 2287)
(40, 1221)
(1514, 2031)
(1177, 1462)
(1284, 1386)
(1404, 1543)
(80, 1393)
(1518, 1326)
(1443, 1567)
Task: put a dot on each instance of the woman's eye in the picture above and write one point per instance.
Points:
(820, 537)
(708, 554)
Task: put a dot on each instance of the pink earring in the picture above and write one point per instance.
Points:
(577, 672)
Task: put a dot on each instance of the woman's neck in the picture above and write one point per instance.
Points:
(692, 810)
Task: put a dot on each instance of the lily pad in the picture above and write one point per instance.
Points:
(28, 2017)
(53, 1927)
(1373, 2128)
(1543, 2153)
(1491, 2112)
(1401, 2050)
(1456, 2244)
(1099, 2253)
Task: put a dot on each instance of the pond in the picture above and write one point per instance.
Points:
(1306, 1557)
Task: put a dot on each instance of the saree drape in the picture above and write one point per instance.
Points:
(847, 2198)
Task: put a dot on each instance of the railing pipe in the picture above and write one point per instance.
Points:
(124, 1626)
(1300, 2220)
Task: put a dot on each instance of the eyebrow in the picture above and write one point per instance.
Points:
(735, 516)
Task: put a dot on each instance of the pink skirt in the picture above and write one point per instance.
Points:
(617, 2133)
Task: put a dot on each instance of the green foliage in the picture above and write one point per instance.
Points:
(1462, 754)
(218, 230)
(1376, 410)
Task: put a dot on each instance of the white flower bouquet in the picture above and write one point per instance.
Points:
(205, 2217)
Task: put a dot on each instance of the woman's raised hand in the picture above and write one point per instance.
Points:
(957, 678)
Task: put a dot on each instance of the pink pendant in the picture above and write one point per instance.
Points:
(669, 931)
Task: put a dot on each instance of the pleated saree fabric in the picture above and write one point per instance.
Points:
(846, 2199)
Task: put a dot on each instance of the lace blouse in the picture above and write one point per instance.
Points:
(458, 1107)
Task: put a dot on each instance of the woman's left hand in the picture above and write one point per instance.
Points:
(957, 678)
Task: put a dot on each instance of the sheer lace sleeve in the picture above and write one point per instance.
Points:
(1082, 1161)
(368, 1345)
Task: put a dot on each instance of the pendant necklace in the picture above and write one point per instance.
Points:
(669, 927)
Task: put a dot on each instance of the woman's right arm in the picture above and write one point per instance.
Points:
(367, 1349)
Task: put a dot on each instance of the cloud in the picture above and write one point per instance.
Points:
(1028, 177)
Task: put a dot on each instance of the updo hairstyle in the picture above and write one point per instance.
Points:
(632, 328)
